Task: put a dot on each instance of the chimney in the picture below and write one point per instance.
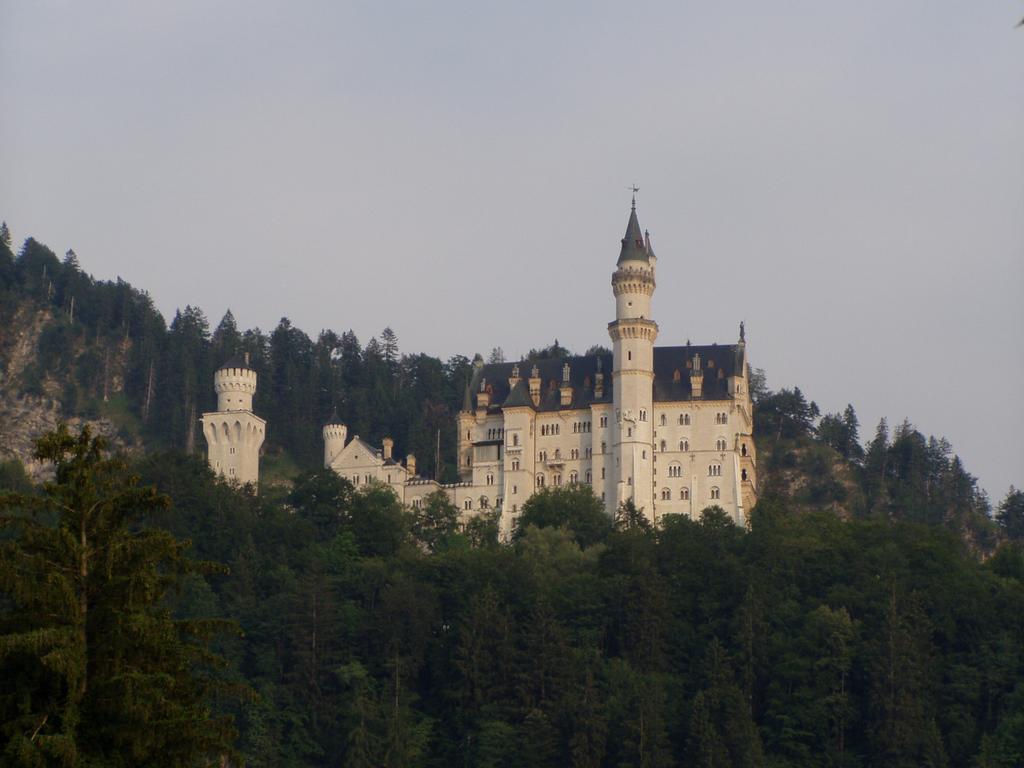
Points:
(696, 378)
(535, 386)
(246, 359)
(410, 464)
(514, 378)
(388, 445)
(566, 390)
(483, 397)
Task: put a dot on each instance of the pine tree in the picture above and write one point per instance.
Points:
(93, 663)
(389, 346)
(1011, 515)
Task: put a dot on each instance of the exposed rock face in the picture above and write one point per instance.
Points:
(25, 417)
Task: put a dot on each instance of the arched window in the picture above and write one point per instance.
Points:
(743, 474)
(540, 481)
(643, 414)
(417, 503)
(720, 444)
(715, 494)
(684, 494)
(604, 447)
(515, 439)
(666, 494)
(556, 479)
(675, 469)
(490, 479)
(743, 449)
(484, 502)
(602, 473)
(467, 504)
(664, 445)
(714, 470)
(589, 477)
(684, 445)
(573, 478)
(515, 465)
(664, 420)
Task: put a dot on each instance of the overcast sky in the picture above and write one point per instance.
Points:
(846, 177)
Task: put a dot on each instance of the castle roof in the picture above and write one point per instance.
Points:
(634, 244)
(334, 419)
(671, 378)
(237, 361)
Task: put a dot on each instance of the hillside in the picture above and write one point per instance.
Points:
(872, 614)
(74, 347)
(86, 350)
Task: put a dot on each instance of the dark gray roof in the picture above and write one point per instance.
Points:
(728, 358)
(634, 247)
(334, 419)
(237, 361)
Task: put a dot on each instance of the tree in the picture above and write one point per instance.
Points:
(1011, 515)
(556, 350)
(497, 356)
(93, 662)
(629, 518)
(389, 345)
(435, 520)
(573, 506)
(840, 431)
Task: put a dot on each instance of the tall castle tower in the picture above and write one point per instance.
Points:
(233, 432)
(633, 334)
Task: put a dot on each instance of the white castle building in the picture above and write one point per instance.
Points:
(233, 432)
(670, 428)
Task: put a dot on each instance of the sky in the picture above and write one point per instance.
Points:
(848, 178)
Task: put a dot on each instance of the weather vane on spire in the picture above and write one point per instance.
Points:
(634, 189)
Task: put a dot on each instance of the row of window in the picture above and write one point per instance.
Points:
(548, 430)
(556, 479)
(684, 494)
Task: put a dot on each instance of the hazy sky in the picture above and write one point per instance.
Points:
(846, 177)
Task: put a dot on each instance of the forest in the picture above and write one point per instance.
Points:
(873, 615)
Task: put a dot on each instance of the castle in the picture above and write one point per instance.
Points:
(670, 428)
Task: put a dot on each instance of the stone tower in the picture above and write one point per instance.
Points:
(633, 333)
(233, 432)
(335, 433)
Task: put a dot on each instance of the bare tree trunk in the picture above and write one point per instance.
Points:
(190, 443)
(106, 377)
(149, 393)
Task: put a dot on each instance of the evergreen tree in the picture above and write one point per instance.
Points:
(1011, 515)
(95, 667)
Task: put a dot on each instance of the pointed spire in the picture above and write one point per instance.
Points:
(743, 333)
(647, 243)
(333, 418)
(633, 247)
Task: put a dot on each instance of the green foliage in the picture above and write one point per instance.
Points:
(571, 506)
(1011, 515)
(435, 521)
(14, 478)
(97, 670)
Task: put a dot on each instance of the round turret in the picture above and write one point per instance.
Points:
(235, 384)
(335, 435)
